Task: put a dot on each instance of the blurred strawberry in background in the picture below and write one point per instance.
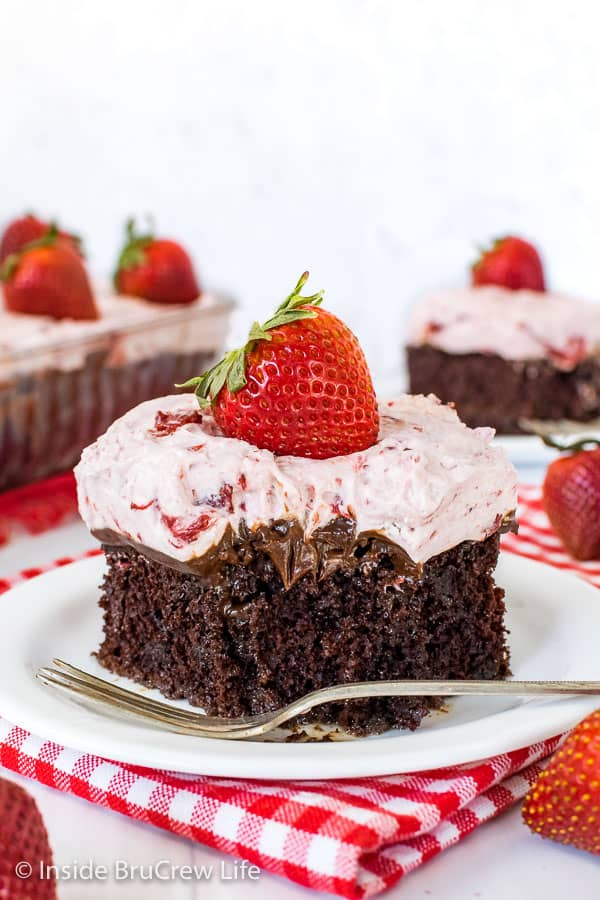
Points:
(155, 269)
(511, 263)
(571, 497)
(29, 228)
(46, 277)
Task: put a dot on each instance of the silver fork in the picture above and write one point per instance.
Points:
(75, 681)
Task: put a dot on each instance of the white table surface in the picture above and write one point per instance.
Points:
(501, 859)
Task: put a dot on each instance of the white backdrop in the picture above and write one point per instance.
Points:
(372, 142)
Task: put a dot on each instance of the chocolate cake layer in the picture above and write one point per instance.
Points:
(490, 390)
(48, 417)
(240, 643)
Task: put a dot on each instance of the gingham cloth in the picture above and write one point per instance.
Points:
(37, 507)
(353, 837)
(536, 539)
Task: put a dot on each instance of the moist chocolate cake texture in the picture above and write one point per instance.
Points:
(267, 617)
(502, 393)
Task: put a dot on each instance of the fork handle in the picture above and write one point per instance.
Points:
(88, 686)
(451, 687)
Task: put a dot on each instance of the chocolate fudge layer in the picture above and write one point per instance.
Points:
(490, 390)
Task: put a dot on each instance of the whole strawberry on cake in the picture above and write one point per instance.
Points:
(506, 350)
(279, 531)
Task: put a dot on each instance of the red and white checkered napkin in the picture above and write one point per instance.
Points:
(536, 539)
(37, 507)
(354, 837)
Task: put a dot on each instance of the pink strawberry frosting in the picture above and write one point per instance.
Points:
(517, 325)
(165, 477)
(130, 329)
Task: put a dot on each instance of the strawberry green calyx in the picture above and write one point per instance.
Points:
(231, 370)
(483, 251)
(75, 238)
(575, 447)
(8, 267)
(133, 253)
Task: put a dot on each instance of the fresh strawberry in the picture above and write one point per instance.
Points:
(155, 269)
(512, 263)
(27, 229)
(564, 803)
(24, 841)
(299, 386)
(47, 278)
(571, 498)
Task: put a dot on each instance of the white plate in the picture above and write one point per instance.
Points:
(554, 619)
(529, 450)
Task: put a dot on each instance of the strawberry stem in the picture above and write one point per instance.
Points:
(8, 267)
(231, 370)
(132, 253)
(483, 251)
(76, 238)
(575, 447)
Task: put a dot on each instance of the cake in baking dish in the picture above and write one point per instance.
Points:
(73, 358)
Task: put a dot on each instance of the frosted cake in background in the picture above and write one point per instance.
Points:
(505, 350)
(73, 359)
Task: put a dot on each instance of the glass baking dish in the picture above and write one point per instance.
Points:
(58, 396)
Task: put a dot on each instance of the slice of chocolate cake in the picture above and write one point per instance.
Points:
(240, 580)
(507, 357)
